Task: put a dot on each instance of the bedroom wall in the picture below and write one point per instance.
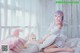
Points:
(71, 17)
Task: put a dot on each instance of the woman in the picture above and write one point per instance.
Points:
(55, 29)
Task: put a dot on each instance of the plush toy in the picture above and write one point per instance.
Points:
(16, 32)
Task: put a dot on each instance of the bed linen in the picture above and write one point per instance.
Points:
(73, 43)
(31, 48)
(34, 47)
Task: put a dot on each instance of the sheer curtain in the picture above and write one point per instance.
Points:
(34, 16)
(71, 17)
(18, 14)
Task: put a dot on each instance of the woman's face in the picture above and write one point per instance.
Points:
(58, 19)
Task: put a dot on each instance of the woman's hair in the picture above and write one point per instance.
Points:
(59, 12)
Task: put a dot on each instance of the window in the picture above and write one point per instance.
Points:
(17, 3)
(2, 33)
(20, 18)
(27, 18)
(9, 18)
(2, 1)
(16, 16)
(2, 17)
(9, 2)
(33, 20)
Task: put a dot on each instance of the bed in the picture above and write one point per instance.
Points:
(73, 43)
(34, 47)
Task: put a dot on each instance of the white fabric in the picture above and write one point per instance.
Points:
(74, 42)
(31, 48)
(60, 41)
(48, 41)
(53, 30)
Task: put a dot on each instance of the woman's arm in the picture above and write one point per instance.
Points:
(44, 38)
(58, 50)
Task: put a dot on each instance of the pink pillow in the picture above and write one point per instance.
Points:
(10, 41)
(15, 44)
(16, 32)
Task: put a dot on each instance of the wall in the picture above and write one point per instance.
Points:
(71, 16)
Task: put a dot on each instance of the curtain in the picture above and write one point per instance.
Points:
(16, 14)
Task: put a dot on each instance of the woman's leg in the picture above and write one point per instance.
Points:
(49, 50)
(52, 46)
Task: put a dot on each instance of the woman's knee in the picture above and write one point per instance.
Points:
(45, 50)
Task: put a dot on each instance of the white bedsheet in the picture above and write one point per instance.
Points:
(75, 43)
(32, 48)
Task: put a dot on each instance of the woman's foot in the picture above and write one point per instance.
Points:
(69, 49)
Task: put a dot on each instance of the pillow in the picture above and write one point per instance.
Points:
(10, 42)
(15, 44)
(48, 41)
(73, 42)
(18, 46)
(16, 32)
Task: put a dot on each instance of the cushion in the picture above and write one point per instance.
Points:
(15, 44)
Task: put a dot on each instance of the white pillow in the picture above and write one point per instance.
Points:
(48, 41)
